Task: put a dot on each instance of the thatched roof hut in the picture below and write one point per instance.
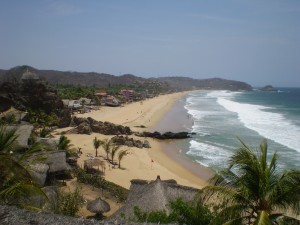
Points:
(90, 163)
(39, 173)
(51, 142)
(55, 162)
(154, 195)
(98, 206)
(23, 133)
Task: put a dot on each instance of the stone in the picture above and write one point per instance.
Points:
(128, 143)
(146, 144)
(164, 136)
(84, 128)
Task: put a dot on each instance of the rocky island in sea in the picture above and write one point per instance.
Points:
(269, 88)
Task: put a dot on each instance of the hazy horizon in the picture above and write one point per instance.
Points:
(251, 41)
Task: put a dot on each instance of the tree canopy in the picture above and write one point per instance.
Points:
(253, 190)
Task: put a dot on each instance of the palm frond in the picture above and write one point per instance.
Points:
(15, 193)
(263, 219)
(7, 139)
(256, 185)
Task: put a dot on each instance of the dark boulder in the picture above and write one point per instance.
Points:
(164, 136)
(146, 144)
(130, 142)
(84, 128)
(95, 126)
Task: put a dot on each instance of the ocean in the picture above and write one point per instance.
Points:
(221, 118)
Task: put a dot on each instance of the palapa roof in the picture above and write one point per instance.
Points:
(154, 195)
(90, 163)
(51, 142)
(39, 172)
(19, 115)
(56, 160)
(98, 206)
(23, 133)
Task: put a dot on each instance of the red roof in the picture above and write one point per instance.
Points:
(102, 91)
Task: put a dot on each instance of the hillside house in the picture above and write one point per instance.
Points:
(128, 95)
(101, 94)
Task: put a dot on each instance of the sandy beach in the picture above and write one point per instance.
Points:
(141, 163)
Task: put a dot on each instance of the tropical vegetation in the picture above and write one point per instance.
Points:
(121, 155)
(65, 144)
(99, 182)
(113, 152)
(107, 146)
(181, 212)
(16, 183)
(97, 144)
(69, 203)
(253, 190)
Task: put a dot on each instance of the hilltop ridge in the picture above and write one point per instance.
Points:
(103, 79)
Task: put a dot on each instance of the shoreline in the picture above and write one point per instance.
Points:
(143, 164)
(179, 120)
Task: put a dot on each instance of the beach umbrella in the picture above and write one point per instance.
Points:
(98, 206)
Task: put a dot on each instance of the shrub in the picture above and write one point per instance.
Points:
(99, 182)
(192, 213)
(69, 203)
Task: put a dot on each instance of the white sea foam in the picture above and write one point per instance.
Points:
(210, 154)
(216, 94)
(270, 125)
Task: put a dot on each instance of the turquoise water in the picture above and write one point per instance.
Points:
(219, 118)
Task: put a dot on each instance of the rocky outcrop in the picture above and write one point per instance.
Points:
(164, 136)
(269, 88)
(31, 94)
(84, 128)
(130, 142)
(89, 125)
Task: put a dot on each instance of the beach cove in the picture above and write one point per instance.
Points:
(161, 159)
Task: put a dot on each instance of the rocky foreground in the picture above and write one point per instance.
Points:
(12, 215)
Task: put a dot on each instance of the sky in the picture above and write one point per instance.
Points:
(255, 41)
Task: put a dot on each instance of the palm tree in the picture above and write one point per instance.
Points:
(44, 132)
(16, 183)
(97, 144)
(113, 152)
(253, 190)
(121, 156)
(107, 145)
(64, 143)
